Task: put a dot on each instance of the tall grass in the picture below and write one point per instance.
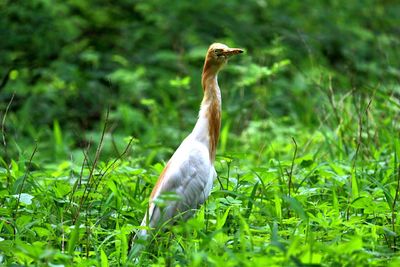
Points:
(286, 195)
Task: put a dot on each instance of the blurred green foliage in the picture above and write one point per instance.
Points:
(70, 60)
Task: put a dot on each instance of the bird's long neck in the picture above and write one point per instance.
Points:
(208, 124)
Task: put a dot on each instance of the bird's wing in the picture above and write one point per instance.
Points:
(189, 174)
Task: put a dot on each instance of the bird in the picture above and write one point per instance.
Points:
(189, 174)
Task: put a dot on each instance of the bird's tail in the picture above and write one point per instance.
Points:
(137, 245)
(138, 242)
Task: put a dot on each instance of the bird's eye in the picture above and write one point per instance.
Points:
(218, 52)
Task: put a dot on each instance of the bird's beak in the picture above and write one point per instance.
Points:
(232, 51)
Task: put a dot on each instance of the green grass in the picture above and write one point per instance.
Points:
(286, 195)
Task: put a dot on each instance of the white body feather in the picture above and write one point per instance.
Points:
(190, 174)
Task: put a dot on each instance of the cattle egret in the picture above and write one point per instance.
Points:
(190, 173)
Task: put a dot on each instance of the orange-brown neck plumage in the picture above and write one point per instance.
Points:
(212, 103)
(208, 125)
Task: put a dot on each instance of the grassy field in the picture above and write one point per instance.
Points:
(285, 195)
(94, 101)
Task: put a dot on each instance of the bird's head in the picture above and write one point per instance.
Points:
(218, 54)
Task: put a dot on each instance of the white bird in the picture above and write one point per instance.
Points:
(190, 173)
